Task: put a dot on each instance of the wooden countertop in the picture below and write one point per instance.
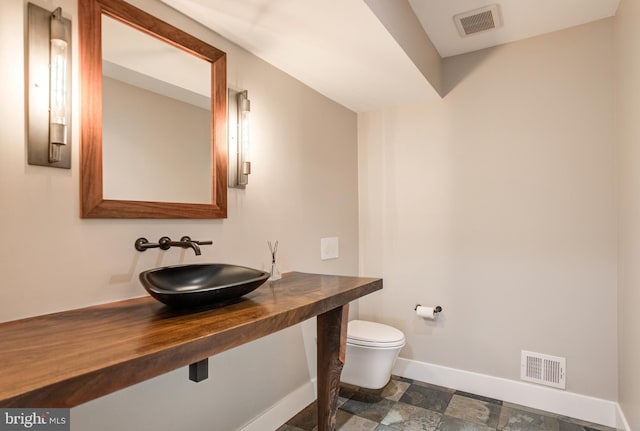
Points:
(68, 358)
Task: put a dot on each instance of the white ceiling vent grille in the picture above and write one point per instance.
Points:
(478, 20)
(544, 369)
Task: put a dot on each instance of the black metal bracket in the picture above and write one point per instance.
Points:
(199, 371)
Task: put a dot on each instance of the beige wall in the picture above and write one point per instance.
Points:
(627, 43)
(303, 187)
(498, 203)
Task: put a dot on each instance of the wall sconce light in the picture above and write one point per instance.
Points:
(239, 164)
(49, 88)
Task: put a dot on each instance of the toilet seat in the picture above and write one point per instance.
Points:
(372, 334)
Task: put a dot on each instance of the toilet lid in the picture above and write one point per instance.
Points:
(367, 333)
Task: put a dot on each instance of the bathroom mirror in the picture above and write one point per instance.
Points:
(152, 143)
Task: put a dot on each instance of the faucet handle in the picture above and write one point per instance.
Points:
(142, 244)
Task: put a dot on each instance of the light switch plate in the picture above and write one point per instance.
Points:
(329, 248)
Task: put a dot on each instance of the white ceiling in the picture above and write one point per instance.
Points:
(341, 49)
(337, 47)
(521, 19)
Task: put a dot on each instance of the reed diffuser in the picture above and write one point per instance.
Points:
(275, 272)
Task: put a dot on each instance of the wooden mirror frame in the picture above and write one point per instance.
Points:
(92, 202)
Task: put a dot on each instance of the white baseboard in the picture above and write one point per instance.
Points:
(279, 413)
(539, 397)
(622, 420)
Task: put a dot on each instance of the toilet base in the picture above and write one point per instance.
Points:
(368, 367)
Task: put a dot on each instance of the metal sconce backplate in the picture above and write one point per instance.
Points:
(38, 89)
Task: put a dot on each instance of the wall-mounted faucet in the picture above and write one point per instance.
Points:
(165, 243)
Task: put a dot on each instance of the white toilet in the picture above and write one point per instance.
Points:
(372, 349)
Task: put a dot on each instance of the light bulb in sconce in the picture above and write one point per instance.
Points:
(58, 87)
(244, 165)
(239, 134)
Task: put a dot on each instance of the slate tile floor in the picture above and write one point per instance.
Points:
(416, 406)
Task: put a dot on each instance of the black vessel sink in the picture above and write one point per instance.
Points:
(197, 285)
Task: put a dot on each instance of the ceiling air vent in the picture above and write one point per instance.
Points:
(478, 20)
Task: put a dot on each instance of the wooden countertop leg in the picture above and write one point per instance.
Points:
(332, 344)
